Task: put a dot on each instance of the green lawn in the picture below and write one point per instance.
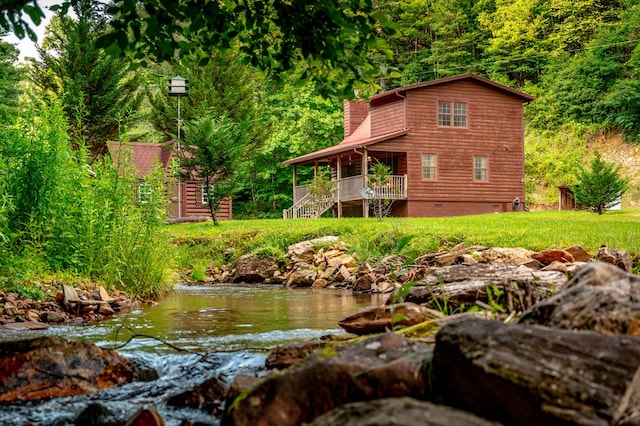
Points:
(368, 238)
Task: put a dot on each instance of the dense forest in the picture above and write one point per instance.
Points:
(579, 58)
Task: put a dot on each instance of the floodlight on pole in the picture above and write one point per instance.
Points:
(179, 86)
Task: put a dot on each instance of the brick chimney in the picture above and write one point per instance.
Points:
(355, 112)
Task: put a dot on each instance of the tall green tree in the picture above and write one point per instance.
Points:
(10, 77)
(446, 38)
(527, 34)
(599, 186)
(215, 145)
(96, 89)
(300, 121)
(596, 85)
(224, 87)
(621, 103)
(517, 46)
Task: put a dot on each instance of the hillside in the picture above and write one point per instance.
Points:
(614, 149)
(552, 158)
(627, 155)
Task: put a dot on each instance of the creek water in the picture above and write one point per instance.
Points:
(224, 330)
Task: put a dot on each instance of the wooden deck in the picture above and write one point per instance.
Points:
(346, 189)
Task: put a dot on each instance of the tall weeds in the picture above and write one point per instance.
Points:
(60, 214)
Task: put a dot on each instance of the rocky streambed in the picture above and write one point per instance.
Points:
(527, 338)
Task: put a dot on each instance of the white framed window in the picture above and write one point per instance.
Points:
(452, 114)
(444, 114)
(480, 168)
(429, 168)
(145, 190)
(204, 191)
(459, 115)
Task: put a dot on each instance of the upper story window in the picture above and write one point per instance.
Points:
(480, 168)
(428, 166)
(452, 114)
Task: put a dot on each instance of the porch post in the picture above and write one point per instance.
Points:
(365, 170)
(295, 182)
(339, 177)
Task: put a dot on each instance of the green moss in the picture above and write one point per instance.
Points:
(328, 351)
(422, 330)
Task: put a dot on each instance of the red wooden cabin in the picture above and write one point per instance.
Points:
(455, 146)
(188, 204)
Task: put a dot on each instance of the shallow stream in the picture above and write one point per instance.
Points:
(228, 324)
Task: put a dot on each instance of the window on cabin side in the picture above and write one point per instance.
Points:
(480, 169)
(144, 192)
(204, 190)
(428, 166)
(452, 114)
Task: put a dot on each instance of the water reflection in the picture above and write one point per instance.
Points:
(223, 317)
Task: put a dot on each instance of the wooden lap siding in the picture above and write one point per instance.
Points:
(387, 118)
(192, 205)
(495, 129)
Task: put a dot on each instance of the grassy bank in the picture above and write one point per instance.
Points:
(195, 248)
(201, 246)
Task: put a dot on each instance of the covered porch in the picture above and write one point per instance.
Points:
(351, 188)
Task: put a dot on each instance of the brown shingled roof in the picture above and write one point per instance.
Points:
(143, 155)
(393, 94)
(347, 145)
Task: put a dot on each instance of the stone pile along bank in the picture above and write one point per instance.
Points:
(514, 278)
(71, 305)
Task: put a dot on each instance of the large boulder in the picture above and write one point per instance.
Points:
(532, 375)
(305, 251)
(50, 367)
(290, 354)
(398, 411)
(600, 297)
(207, 396)
(302, 275)
(513, 287)
(379, 319)
(252, 269)
(386, 366)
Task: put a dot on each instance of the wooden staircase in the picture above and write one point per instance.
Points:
(309, 207)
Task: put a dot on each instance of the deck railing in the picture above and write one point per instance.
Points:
(347, 189)
(395, 189)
